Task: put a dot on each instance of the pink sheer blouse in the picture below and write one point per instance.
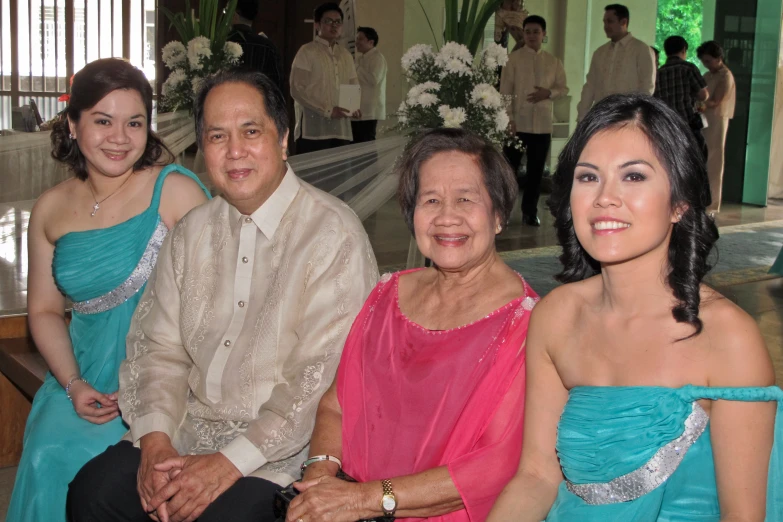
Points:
(413, 399)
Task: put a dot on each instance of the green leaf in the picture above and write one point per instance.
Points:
(477, 33)
(452, 15)
(463, 20)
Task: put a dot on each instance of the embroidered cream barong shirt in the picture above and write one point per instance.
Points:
(527, 69)
(241, 327)
(626, 66)
(317, 72)
(371, 68)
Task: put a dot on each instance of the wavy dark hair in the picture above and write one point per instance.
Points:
(692, 237)
(90, 85)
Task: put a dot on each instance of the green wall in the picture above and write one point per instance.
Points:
(762, 101)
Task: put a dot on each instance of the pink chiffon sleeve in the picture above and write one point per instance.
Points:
(481, 474)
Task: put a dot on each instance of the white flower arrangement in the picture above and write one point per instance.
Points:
(190, 65)
(174, 54)
(451, 89)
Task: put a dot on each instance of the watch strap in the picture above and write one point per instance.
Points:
(388, 492)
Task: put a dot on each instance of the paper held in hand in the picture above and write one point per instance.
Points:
(350, 97)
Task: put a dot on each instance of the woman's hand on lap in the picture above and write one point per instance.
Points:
(329, 499)
(92, 405)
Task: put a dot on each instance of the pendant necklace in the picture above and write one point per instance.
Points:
(97, 206)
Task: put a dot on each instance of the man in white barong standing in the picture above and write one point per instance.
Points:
(239, 331)
(371, 68)
(319, 69)
(622, 65)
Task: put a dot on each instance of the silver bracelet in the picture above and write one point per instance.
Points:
(68, 386)
(320, 458)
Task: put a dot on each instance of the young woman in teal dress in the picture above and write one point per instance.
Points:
(93, 238)
(650, 396)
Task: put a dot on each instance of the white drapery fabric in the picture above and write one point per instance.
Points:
(27, 168)
(362, 175)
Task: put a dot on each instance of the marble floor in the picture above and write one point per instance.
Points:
(390, 239)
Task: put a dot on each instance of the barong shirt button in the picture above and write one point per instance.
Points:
(227, 343)
(241, 304)
(244, 259)
(248, 220)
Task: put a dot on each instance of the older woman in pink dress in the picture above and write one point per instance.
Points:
(426, 409)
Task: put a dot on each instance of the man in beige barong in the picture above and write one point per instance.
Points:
(239, 331)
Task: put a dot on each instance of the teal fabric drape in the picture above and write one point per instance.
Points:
(607, 432)
(57, 443)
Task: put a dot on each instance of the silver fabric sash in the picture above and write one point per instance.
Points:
(652, 474)
(135, 280)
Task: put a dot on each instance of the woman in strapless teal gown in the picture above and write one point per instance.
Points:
(649, 396)
(94, 239)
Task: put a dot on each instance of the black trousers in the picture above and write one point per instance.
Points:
(363, 130)
(303, 146)
(537, 146)
(104, 490)
(700, 141)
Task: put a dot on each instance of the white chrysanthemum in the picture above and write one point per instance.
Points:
(417, 90)
(174, 54)
(427, 99)
(452, 117)
(402, 117)
(172, 82)
(454, 51)
(456, 66)
(414, 54)
(487, 96)
(502, 120)
(233, 51)
(167, 87)
(495, 55)
(198, 48)
(196, 85)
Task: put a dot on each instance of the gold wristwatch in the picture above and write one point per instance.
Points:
(388, 501)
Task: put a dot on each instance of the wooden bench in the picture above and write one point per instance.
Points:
(22, 371)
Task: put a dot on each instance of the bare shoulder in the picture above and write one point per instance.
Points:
(180, 194)
(556, 314)
(738, 352)
(566, 301)
(55, 202)
(178, 184)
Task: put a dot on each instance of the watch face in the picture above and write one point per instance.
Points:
(389, 503)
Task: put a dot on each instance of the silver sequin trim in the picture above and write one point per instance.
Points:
(654, 473)
(134, 282)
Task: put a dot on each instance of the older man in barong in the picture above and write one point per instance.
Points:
(239, 332)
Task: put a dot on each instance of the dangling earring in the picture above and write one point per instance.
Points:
(71, 136)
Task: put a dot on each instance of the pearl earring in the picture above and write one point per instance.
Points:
(71, 136)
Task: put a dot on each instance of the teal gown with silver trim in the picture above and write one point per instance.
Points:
(644, 454)
(103, 272)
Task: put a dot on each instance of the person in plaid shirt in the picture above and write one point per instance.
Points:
(681, 85)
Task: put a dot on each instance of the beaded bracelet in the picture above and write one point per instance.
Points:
(68, 386)
(319, 458)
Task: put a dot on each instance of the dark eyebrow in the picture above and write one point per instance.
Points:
(636, 162)
(110, 116)
(588, 165)
(252, 123)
